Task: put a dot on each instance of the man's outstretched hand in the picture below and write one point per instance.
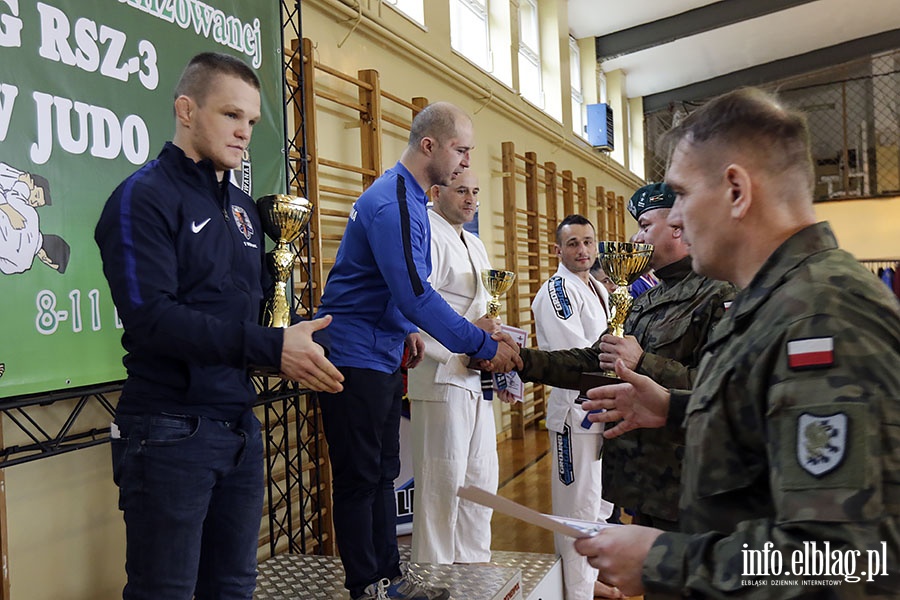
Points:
(639, 402)
(303, 360)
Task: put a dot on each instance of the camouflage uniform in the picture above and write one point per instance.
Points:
(793, 432)
(671, 322)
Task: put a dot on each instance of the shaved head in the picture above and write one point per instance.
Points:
(438, 121)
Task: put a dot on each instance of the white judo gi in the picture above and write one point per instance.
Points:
(453, 432)
(568, 313)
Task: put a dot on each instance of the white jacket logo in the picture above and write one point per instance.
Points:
(197, 227)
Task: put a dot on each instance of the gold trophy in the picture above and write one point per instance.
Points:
(284, 219)
(496, 282)
(623, 262)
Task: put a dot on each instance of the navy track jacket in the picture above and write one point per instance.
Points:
(378, 290)
(184, 258)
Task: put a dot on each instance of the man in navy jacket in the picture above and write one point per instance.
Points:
(183, 252)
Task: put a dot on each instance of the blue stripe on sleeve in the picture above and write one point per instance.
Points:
(130, 258)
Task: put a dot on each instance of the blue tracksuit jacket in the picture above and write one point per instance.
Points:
(378, 290)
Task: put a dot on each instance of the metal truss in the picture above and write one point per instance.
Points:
(293, 468)
(296, 465)
(296, 156)
(25, 413)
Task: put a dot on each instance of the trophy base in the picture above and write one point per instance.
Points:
(591, 380)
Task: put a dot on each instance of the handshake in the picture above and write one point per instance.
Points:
(507, 357)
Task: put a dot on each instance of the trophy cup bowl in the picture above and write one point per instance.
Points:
(496, 282)
(284, 220)
(623, 262)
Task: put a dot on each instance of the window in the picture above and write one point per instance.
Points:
(530, 53)
(601, 86)
(414, 9)
(577, 96)
(469, 34)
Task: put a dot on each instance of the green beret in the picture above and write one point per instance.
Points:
(650, 197)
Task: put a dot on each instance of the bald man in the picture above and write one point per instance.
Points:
(453, 431)
(379, 296)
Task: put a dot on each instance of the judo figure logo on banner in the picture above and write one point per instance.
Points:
(21, 240)
(242, 221)
(821, 442)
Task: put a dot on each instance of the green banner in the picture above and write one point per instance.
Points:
(85, 100)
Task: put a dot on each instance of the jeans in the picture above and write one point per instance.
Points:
(362, 427)
(191, 490)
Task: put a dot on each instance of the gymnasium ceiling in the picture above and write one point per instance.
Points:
(676, 50)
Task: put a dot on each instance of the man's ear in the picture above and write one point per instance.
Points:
(427, 146)
(740, 190)
(184, 109)
(557, 250)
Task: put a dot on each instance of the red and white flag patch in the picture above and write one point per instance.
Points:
(810, 353)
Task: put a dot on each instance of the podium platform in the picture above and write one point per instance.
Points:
(510, 576)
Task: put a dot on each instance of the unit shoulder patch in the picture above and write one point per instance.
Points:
(821, 442)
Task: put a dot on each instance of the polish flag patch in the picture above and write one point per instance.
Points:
(811, 353)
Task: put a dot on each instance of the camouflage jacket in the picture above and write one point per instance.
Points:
(671, 322)
(793, 438)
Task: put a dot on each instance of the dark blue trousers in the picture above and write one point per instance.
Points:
(362, 427)
(191, 490)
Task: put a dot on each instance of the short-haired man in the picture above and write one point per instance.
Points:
(379, 295)
(570, 311)
(188, 284)
(793, 424)
(665, 332)
(453, 432)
